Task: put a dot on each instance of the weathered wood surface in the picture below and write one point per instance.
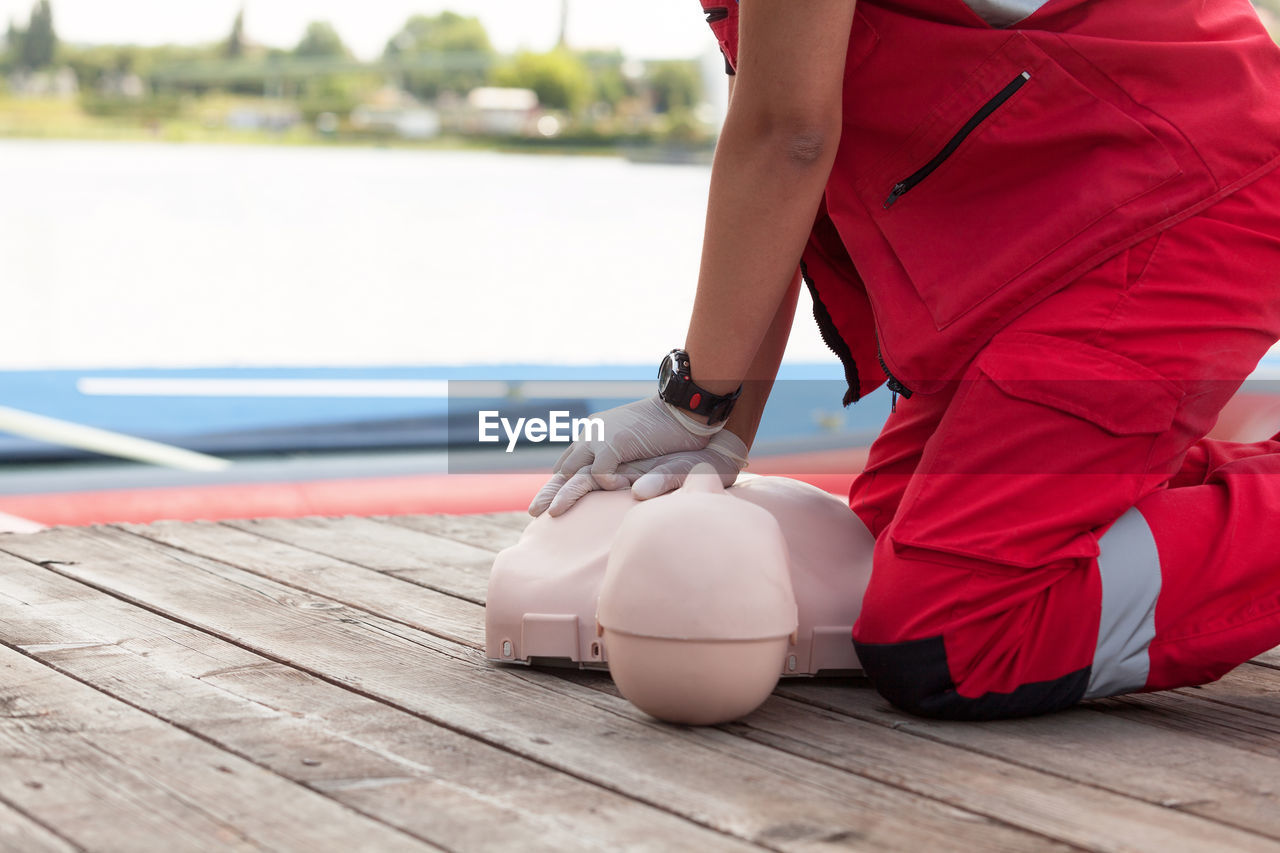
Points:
(319, 684)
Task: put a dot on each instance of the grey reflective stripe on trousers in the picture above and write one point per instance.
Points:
(1129, 565)
(1004, 13)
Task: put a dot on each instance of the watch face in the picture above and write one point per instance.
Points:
(665, 371)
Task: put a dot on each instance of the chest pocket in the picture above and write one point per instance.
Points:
(1018, 162)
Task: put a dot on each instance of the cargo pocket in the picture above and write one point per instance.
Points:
(1019, 160)
(1046, 441)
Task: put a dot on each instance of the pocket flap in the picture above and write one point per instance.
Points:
(991, 180)
(1114, 392)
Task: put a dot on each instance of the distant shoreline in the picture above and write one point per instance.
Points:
(58, 119)
(630, 150)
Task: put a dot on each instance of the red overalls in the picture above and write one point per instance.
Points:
(1060, 238)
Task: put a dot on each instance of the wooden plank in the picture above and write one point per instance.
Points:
(1271, 658)
(1130, 751)
(987, 774)
(734, 786)
(427, 780)
(481, 531)
(21, 834)
(1239, 710)
(1041, 800)
(111, 777)
(1243, 799)
(434, 562)
(435, 612)
(1078, 813)
(1250, 687)
(1054, 807)
(517, 520)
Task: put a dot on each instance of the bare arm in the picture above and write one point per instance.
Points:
(772, 162)
(771, 166)
(756, 385)
(758, 381)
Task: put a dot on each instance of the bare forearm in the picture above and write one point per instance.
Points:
(758, 383)
(765, 189)
(771, 166)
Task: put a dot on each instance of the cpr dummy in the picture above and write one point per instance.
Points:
(696, 601)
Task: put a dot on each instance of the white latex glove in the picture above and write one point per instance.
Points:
(645, 429)
(726, 453)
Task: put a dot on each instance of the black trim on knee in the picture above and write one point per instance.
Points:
(915, 678)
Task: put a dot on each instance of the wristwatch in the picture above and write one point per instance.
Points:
(676, 386)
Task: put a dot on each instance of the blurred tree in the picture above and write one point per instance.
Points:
(457, 46)
(91, 62)
(321, 40)
(8, 52)
(235, 44)
(337, 93)
(676, 85)
(558, 76)
(38, 44)
(609, 85)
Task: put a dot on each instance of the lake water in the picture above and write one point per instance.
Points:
(137, 255)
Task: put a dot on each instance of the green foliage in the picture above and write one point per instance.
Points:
(12, 41)
(444, 52)
(91, 61)
(321, 40)
(36, 46)
(335, 93)
(558, 76)
(182, 85)
(608, 84)
(681, 128)
(147, 110)
(8, 48)
(676, 85)
(235, 44)
(447, 32)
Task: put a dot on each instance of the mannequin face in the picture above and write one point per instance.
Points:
(696, 607)
(698, 564)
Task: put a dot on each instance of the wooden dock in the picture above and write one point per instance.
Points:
(318, 684)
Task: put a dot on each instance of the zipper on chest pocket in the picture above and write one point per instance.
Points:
(905, 185)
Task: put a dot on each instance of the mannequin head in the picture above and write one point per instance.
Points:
(696, 608)
(546, 591)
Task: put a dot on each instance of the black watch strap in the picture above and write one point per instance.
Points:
(676, 386)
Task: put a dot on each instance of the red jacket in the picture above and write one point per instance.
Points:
(980, 169)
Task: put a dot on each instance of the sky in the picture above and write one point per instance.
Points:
(646, 30)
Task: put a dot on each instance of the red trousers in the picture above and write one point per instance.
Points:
(1053, 526)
